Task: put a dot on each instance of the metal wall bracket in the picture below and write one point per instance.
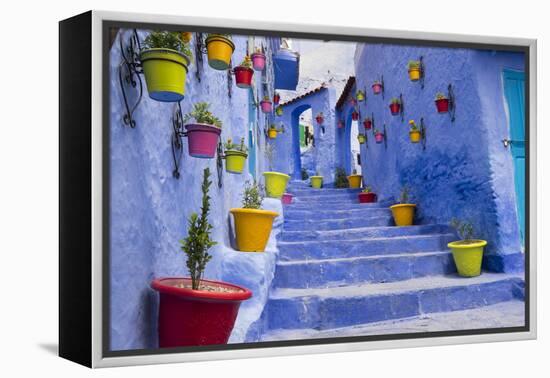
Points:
(402, 107)
(129, 71)
(219, 163)
(385, 137)
(452, 102)
(423, 133)
(177, 135)
(383, 86)
(199, 50)
(422, 71)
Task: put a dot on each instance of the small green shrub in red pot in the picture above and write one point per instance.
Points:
(367, 123)
(194, 311)
(276, 98)
(441, 103)
(244, 73)
(367, 195)
(355, 115)
(395, 106)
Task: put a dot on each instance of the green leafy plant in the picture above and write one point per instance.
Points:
(405, 195)
(464, 229)
(304, 174)
(377, 82)
(229, 145)
(198, 240)
(247, 62)
(167, 40)
(253, 195)
(413, 126)
(202, 114)
(395, 100)
(440, 96)
(414, 64)
(367, 189)
(340, 178)
(377, 131)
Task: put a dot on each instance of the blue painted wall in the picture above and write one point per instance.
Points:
(464, 172)
(149, 208)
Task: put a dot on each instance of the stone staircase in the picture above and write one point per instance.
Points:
(344, 264)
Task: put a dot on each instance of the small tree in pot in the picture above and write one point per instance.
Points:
(467, 252)
(367, 195)
(441, 103)
(340, 178)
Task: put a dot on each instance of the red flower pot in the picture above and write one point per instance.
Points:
(379, 137)
(192, 317)
(266, 106)
(202, 140)
(243, 76)
(394, 108)
(276, 99)
(367, 197)
(258, 61)
(368, 124)
(377, 88)
(287, 199)
(319, 120)
(442, 105)
(355, 116)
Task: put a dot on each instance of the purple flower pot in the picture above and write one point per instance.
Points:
(267, 107)
(258, 61)
(287, 199)
(202, 140)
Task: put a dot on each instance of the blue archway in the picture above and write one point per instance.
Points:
(295, 151)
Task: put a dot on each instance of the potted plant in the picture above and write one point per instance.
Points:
(403, 212)
(279, 111)
(355, 115)
(287, 199)
(441, 103)
(340, 123)
(377, 87)
(165, 60)
(414, 132)
(320, 118)
(354, 180)
(367, 195)
(272, 131)
(244, 73)
(414, 70)
(316, 181)
(304, 175)
(219, 48)
(367, 123)
(252, 224)
(203, 133)
(194, 311)
(235, 156)
(395, 106)
(378, 136)
(275, 182)
(360, 96)
(340, 178)
(467, 252)
(276, 98)
(266, 105)
(258, 59)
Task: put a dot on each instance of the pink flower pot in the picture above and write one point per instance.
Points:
(377, 88)
(266, 106)
(202, 140)
(258, 61)
(379, 137)
(287, 199)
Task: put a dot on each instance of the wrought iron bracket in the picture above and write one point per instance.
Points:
(385, 137)
(402, 107)
(219, 163)
(423, 133)
(422, 71)
(383, 86)
(452, 102)
(199, 50)
(178, 133)
(129, 71)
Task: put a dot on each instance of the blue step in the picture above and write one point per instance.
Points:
(328, 308)
(362, 247)
(321, 213)
(348, 271)
(334, 205)
(336, 224)
(311, 192)
(364, 232)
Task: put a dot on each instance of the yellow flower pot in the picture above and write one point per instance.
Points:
(354, 181)
(272, 133)
(186, 36)
(414, 74)
(219, 50)
(468, 255)
(415, 136)
(316, 181)
(275, 184)
(234, 161)
(165, 71)
(252, 228)
(403, 214)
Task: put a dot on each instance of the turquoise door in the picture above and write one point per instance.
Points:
(514, 90)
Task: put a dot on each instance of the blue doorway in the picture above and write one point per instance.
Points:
(514, 91)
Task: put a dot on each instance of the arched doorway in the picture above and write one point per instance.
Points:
(302, 140)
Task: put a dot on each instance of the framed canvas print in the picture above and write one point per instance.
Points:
(233, 188)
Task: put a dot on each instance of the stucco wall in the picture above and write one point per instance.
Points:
(149, 208)
(464, 171)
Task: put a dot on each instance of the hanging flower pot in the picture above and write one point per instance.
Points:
(276, 98)
(202, 136)
(361, 138)
(378, 136)
(414, 70)
(219, 49)
(467, 252)
(235, 156)
(441, 103)
(340, 124)
(164, 67)
(395, 106)
(279, 111)
(355, 115)
(316, 181)
(377, 88)
(275, 184)
(287, 199)
(258, 60)
(320, 118)
(266, 105)
(367, 196)
(353, 102)
(360, 96)
(354, 180)
(414, 133)
(244, 73)
(273, 131)
(367, 123)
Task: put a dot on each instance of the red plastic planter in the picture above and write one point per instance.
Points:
(377, 88)
(379, 137)
(319, 120)
(276, 99)
(267, 107)
(367, 197)
(367, 124)
(191, 317)
(202, 140)
(258, 61)
(394, 108)
(442, 105)
(355, 116)
(243, 76)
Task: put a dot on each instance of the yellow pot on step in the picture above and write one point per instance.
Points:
(252, 228)
(354, 181)
(234, 161)
(219, 49)
(316, 181)
(403, 214)
(468, 255)
(414, 74)
(275, 184)
(415, 136)
(165, 71)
